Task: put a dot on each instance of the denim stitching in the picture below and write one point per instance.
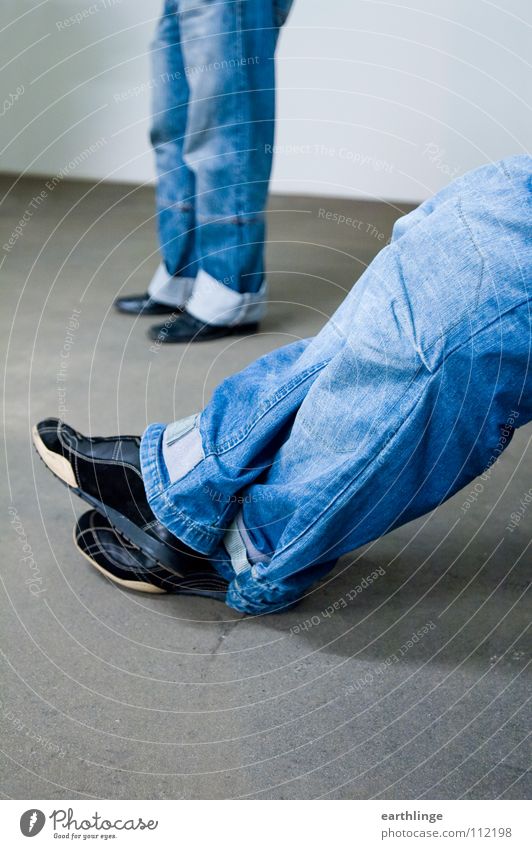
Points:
(209, 535)
(240, 86)
(466, 224)
(265, 408)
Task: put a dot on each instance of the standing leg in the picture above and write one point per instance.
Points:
(172, 284)
(228, 49)
(410, 391)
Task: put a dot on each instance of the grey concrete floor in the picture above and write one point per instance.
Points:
(110, 694)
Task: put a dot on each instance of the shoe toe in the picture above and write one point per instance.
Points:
(156, 333)
(181, 328)
(107, 549)
(112, 555)
(142, 305)
(94, 535)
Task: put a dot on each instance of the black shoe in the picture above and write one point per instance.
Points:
(127, 566)
(186, 328)
(105, 472)
(143, 305)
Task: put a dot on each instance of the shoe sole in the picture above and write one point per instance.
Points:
(147, 313)
(237, 330)
(137, 586)
(58, 465)
(62, 469)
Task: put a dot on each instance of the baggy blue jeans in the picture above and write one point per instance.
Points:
(412, 389)
(213, 102)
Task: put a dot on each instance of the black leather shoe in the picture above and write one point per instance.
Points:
(132, 569)
(143, 305)
(105, 472)
(186, 328)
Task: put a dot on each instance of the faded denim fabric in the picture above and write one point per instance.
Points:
(411, 390)
(213, 103)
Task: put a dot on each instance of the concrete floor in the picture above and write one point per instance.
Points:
(113, 695)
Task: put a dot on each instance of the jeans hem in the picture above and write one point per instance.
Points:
(157, 483)
(215, 303)
(168, 289)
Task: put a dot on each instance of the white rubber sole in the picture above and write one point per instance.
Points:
(56, 463)
(137, 586)
(63, 470)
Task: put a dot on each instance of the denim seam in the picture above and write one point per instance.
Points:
(465, 222)
(209, 534)
(429, 345)
(239, 101)
(421, 352)
(153, 469)
(264, 408)
(150, 467)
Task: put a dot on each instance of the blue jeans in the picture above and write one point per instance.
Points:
(212, 132)
(411, 390)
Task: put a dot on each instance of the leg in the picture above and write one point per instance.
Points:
(228, 50)
(405, 391)
(413, 387)
(173, 280)
(172, 284)
(213, 117)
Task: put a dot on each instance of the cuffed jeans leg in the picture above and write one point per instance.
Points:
(410, 391)
(228, 49)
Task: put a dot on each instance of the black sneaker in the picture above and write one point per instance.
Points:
(105, 472)
(124, 564)
(185, 328)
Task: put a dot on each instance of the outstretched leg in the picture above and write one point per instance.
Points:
(410, 391)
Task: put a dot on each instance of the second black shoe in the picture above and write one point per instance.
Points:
(105, 472)
(143, 305)
(185, 328)
(124, 564)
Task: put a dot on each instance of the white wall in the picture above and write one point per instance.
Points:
(379, 99)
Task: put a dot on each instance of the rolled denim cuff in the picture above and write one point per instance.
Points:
(168, 455)
(215, 303)
(254, 596)
(170, 290)
(162, 500)
(249, 592)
